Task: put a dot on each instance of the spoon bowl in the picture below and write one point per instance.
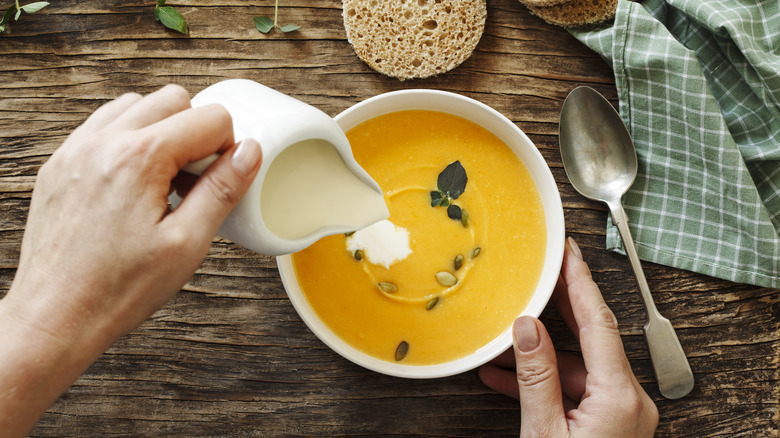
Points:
(590, 129)
(600, 160)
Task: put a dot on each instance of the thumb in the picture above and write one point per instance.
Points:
(219, 189)
(541, 402)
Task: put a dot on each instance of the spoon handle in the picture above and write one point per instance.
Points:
(672, 370)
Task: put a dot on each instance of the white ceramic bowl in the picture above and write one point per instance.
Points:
(510, 134)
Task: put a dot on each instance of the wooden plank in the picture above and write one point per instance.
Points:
(228, 356)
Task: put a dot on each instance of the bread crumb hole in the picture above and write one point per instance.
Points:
(447, 9)
(351, 12)
(422, 2)
(416, 62)
(430, 24)
(428, 43)
(407, 14)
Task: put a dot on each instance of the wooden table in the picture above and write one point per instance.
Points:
(228, 356)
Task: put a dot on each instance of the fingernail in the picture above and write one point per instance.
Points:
(246, 156)
(526, 334)
(574, 247)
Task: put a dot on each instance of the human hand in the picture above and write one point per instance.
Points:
(102, 250)
(567, 396)
(100, 241)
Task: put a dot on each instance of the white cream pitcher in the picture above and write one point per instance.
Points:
(309, 184)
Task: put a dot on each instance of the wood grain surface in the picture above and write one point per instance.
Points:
(228, 356)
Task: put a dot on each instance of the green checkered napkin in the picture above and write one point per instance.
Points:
(699, 88)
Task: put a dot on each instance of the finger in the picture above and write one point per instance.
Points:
(602, 348)
(560, 298)
(573, 375)
(501, 380)
(505, 360)
(191, 135)
(541, 400)
(106, 114)
(218, 190)
(154, 107)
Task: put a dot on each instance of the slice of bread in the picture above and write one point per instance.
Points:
(576, 13)
(409, 39)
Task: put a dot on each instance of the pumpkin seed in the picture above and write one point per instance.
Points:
(432, 303)
(458, 262)
(476, 252)
(400, 352)
(446, 278)
(359, 255)
(387, 287)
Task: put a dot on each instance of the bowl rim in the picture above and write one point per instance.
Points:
(524, 148)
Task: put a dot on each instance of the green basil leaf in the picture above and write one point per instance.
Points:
(18, 14)
(264, 24)
(34, 7)
(289, 28)
(171, 18)
(436, 198)
(160, 3)
(454, 212)
(452, 180)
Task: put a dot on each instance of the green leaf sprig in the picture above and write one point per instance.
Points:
(451, 184)
(15, 11)
(265, 24)
(170, 18)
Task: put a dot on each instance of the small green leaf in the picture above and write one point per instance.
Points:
(289, 28)
(160, 3)
(452, 180)
(34, 7)
(436, 198)
(171, 18)
(18, 14)
(264, 24)
(454, 212)
(6, 18)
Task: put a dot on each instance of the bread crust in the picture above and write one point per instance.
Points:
(409, 39)
(576, 13)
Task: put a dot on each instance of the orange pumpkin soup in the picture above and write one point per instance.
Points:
(465, 280)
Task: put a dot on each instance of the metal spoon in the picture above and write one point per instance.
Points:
(600, 160)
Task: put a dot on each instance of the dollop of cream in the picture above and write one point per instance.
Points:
(382, 243)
